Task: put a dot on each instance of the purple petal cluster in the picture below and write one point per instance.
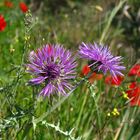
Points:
(54, 67)
(103, 59)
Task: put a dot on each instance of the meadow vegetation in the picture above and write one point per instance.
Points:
(99, 107)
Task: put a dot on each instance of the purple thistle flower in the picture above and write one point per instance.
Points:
(101, 59)
(54, 66)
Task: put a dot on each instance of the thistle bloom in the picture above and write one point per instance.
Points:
(101, 59)
(2, 23)
(54, 66)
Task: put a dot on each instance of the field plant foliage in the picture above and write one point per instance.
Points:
(99, 105)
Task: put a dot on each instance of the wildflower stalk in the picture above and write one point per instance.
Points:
(57, 128)
(25, 47)
(82, 108)
(97, 109)
(39, 119)
(121, 126)
(110, 19)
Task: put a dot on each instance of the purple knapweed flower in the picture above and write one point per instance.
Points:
(53, 66)
(101, 59)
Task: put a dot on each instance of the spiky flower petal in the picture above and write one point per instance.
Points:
(101, 59)
(54, 66)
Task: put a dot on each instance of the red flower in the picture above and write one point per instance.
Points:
(23, 7)
(134, 94)
(8, 4)
(86, 70)
(111, 81)
(132, 85)
(2, 23)
(135, 70)
(94, 76)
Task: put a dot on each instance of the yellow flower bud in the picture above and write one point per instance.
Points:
(99, 8)
(115, 112)
(108, 114)
(125, 96)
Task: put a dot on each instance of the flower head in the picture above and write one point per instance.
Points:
(85, 70)
(93, 77)
(23, 7)
(134, 94)
(54, 66)
(8, 4)
(2, 23)
(101, 59)
(135, 70)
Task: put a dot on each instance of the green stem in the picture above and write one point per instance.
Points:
(98, 114)
(61, 101)
(113, 13)
(82, 108)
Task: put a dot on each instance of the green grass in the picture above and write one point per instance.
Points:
(84, 113)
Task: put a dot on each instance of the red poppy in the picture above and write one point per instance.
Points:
(94, 76)
(115, 82)
(2, 23)
(8, 4)
(85, 70)
(134, 94)
(132, 85)
(23, 7)
(135, 70)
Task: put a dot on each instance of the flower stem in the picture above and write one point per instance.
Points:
(61, 101)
